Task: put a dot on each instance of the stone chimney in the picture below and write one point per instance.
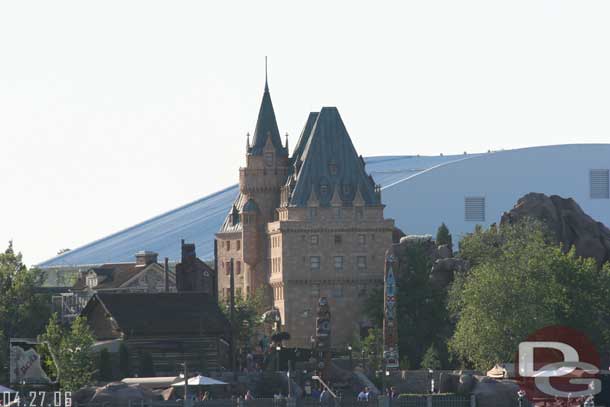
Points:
(145, 258)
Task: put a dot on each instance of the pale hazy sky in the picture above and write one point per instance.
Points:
(112, 112)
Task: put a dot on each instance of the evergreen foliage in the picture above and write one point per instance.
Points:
(443, 236)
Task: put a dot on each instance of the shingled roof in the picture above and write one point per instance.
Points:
(266, 126)
(162, 314)
(331, 166)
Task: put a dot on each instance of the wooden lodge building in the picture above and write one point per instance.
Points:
(167, 328)
(170, 328)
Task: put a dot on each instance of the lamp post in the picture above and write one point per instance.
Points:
(431, 372)
(351, 364)
(186, 380)
(363, 365)
(278, 348)
(521, 396)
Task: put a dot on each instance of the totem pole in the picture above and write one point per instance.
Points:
(323, 337)
(390, 323)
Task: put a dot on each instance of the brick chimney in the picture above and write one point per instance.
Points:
(145, 258)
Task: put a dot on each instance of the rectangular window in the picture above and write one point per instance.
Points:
(269, 159)
(359, 213)
(600, 184)
(338, 239)
(361, 262)
(315, 290)
(362, 239)
(238, 267)
(313, 212)
(238, 244)
(314, 263)
(228, 244)
(474, 209)
(362, 290)
(228, 267)
(337, 292)
(339, 263)
(338, 213)
(314, 240)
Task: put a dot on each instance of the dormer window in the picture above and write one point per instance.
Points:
(332, 168)
(91, 281)
(268, 159)
(323, 189)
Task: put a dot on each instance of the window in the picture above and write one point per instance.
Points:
(269, 159)
(332, 168)
(314, 240)
(323, 189)
(338, 239)
(238, 244)
(238, 267)
(91, 281)
(338, 213)
(474, 209)
(359, 213)
(337, 292)
(313, 212)
(362, 290)
(314, 263)
(361, 239)
(361, 262)
(238, 292)
(228, 244)
(315, 290)
(338, 263)
(228, 267)
(599, 181)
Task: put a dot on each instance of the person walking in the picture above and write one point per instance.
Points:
(364, 394)
(248, 396)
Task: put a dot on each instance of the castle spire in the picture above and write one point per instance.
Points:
(266, 125)
(286, 144)
(266, 82)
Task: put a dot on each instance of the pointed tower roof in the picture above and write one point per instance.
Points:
(331, 165)
(266, 126)
(304, 137)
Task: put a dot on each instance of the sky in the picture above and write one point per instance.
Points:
(113, 112)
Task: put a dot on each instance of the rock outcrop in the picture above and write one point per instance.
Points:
(568, 223)
(444, 265)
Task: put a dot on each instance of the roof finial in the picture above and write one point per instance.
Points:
(266, 84)
(286, 147)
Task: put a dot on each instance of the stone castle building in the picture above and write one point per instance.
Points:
(305, 226)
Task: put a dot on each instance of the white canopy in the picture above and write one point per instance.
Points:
(6, 390)
(200, 381)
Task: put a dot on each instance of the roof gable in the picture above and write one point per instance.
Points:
(161, 314)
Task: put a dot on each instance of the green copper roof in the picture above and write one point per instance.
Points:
(266, 126)
(331, 163)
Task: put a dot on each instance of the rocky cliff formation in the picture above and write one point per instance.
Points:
(568, 223)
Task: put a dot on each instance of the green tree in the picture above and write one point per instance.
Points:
(443, 236)
(23, 310)
(372, 346)
(422, 313)
(373, 306)
(71, 348)
(248, 312)
(124, 367)
(522, 282)
(431, 359)
(104, 366)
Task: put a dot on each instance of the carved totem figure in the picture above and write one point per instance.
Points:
(323, 337)
(390, 321)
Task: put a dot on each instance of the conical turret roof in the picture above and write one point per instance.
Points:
(266, 127)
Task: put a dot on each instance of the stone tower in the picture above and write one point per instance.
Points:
(243, 234)
(306, 226)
